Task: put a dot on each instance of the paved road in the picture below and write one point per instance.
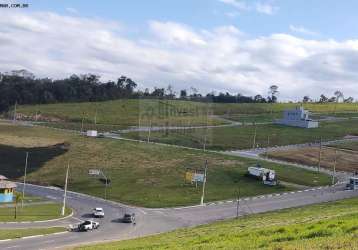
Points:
(151, 221)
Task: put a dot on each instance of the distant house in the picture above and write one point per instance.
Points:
(7, 189)
(297, 117)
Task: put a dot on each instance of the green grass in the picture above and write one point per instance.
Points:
(324, 226)
(18, 233)
(33, 212)
(124, 113)
(227, 138)
(140, 173)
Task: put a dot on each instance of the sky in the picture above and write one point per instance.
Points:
(240, 46)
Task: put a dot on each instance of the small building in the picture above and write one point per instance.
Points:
(298, 117)
(7, 189)
(92, 133)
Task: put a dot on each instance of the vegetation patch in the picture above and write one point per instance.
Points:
(285, 229)
(19, 233)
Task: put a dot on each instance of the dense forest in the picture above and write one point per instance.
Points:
(22, 87)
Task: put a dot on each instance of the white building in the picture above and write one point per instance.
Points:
(297, 117)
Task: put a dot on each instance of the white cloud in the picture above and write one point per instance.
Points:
(261, 7)
(266, 8)
(220, 59)
(238, 4)
(72, 10)
(303, 30)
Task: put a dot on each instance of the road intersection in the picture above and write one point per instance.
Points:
(155, 220)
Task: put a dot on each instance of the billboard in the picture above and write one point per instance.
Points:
(194, 176)
(94, 172)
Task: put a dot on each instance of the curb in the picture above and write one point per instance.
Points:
(39, 221)
(271, 195)
(33, 236)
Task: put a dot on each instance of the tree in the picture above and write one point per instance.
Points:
(323, 99)
(17, 200)
(349, 100)
(339, 95)
(273, 91)
(306, 99)
(170, 92)
(259, 99)
(183, 94)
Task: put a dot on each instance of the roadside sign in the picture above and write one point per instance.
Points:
(193, 176)
(94, 172)
(198, 177)
(189, 176)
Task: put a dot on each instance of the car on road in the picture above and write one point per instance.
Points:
(88, 225)
(128, 218)
(98, 212)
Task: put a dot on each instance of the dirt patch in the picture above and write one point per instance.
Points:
(346, 161)
(28, 142)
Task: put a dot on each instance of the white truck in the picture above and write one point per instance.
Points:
(353, 183)
(268, 176)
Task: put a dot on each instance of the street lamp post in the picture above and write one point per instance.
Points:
(64, 195)
(23, 185)
(204, 183)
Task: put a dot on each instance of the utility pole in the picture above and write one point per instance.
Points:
(254, 139)
(237, 203)
(95, 117)
(64, 196)
(268, 145)
(320, 154)
(334, 166)
(14, 118)
(204, 182)
(82, 123)
(150, 127)
(23, 185)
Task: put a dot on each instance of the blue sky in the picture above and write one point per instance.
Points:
(305, 47)
(330, 18)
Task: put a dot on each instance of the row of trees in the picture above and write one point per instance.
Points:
(338, 96)
(23, 88)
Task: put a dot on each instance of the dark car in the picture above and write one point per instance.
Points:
(128, 218)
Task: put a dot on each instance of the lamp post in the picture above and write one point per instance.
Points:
(23, 185)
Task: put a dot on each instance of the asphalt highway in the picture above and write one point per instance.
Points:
(152, 221)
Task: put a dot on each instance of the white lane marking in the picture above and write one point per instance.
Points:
(12, 247)
(48, 241)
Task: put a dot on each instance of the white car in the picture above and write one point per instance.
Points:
(88, 225)
(98, 212)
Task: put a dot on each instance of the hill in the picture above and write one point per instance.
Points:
(140, 173)
(323, 226)
(111, 115)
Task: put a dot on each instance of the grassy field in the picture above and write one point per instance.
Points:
(18, 233)
(346, 161)
(140, 173)
(121, 114)
(242, 137)
(323, 226)
(33, 212)
(134, 112)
